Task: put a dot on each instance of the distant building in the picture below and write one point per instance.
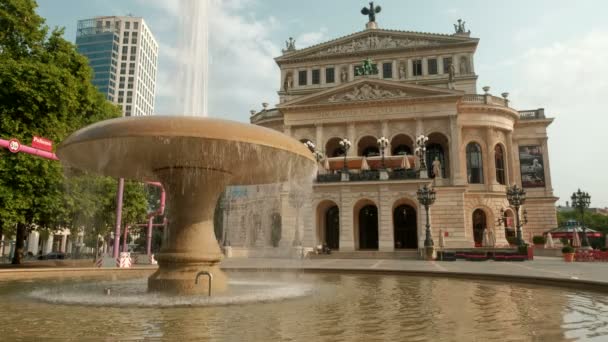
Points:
(398, 85)
(124, 56)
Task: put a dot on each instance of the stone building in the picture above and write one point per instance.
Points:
(400, 85)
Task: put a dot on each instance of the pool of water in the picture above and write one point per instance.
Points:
(303, 307)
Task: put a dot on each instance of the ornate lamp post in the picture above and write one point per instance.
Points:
(581, 201)
(426, 197)
(383, 144)
(345, 144)
(420, 151)
(516, 197)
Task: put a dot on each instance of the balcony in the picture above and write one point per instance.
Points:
(485, 99)
(368, 170)
(534, 114)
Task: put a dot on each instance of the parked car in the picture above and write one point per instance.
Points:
(52, 255)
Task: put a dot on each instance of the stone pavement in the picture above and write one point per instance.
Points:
(545, 270)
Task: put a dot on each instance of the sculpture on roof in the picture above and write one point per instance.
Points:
(459, 28)
(371, 11)
(290, 45)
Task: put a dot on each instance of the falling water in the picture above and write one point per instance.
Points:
(192, 83)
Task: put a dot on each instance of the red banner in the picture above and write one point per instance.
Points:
(42, 144)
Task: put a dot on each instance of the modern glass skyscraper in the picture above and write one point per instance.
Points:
(124, 56)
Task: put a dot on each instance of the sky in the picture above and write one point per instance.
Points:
(550, 54)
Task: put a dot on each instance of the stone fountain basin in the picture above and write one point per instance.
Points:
(195, 159)
(136, 147)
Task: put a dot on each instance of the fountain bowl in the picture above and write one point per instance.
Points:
(195, 159)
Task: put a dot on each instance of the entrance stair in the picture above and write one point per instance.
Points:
(410, 254)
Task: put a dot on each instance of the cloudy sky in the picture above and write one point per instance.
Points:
(546, 53)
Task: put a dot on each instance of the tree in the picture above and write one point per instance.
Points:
(45, 90)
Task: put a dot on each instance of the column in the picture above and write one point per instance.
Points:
(425, 66)
(456, 162)
(491, 165)
(395, 70)
(351, 133)
(64, 239)
(440, 65)
(386, 239)
(351, 72)
(510, 153)
(546, 166)
(48, 247)
(319, 138)
(410, 71)
(32, 242)
(347, 237)
(287, 130)
(471, 64)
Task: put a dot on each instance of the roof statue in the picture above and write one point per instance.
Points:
(371, 11)
(459, 28)
(290, 45)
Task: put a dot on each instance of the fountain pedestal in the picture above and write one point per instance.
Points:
(191, 245)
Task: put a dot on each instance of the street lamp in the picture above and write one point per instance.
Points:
(383, 144)
(345, 144)
(516, 197)
(310, 145)
(426, 197)
(420, 151)
(581, 201)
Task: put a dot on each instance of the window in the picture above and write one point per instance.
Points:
(134, 41)
(135, 25)
(302, 77)
(474, 164)
(417, 67)
(125, 49)
(127, 25)
(446, 64)
(133, 50)
(499, 160)
(125, 34)
(432, 64)
(316, 76)
(329, 75)
(125, 40)
(387, 70)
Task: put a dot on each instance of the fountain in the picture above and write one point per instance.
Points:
(195, 159)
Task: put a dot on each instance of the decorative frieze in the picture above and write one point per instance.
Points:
(374, 42)
(366, 92)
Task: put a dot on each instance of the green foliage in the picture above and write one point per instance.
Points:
(567, 249)
(594, 221)
(538, 240)
(46, 90)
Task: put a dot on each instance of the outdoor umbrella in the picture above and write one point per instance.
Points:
(549, 243)
(405, 162)
(576, 240)
(326, 164)
(485, 242)
(364, 165)
(441, 239)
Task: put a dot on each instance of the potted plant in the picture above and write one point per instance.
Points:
(539, 241)
(512, 240)
(568, 253)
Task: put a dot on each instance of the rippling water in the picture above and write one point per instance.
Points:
(322, 307)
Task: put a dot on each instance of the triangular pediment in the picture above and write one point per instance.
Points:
(375, 41)
(370, 89)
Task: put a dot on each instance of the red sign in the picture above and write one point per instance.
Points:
(14, 145)
(42, 144)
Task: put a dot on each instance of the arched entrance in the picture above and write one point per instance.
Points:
(405, 227)
(368, 227)
(332, 228)
(479, 224)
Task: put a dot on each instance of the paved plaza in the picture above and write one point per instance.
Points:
(543, 270)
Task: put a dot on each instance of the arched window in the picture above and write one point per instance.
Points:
(474, 164)
(499, 160)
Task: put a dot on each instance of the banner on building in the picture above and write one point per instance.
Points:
(531, 166)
